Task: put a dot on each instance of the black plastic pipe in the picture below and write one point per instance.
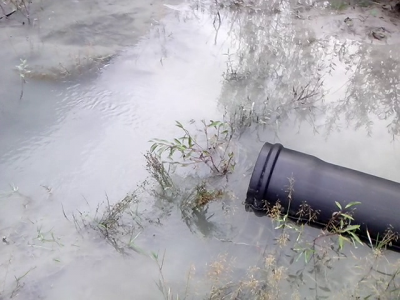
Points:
(320, 184)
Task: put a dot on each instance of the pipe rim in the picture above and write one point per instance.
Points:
(261, 175)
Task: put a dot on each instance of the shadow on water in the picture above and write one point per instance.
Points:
(288, 71)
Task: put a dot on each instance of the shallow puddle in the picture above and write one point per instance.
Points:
(103, 82)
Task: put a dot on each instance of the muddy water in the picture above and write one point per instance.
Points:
(105, 78)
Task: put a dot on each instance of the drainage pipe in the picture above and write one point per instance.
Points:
(280, 171)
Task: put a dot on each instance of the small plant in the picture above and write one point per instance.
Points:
(340, 224)
(215, 152)
(388, 238)
(19, 284)
(232, 74)
(23, 71)
(157, 170)
(265, 281)
(113, 228)
(111, 216)
(194, 207)
(162, 284)
(44, 237)
(307, 214)
(272, 112)
(283, 220)
(204, 195)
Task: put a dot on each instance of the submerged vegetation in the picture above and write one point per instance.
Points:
(283, 272)
(298, 264)
(213, 148)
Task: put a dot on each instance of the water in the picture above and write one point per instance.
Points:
(105, 82)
